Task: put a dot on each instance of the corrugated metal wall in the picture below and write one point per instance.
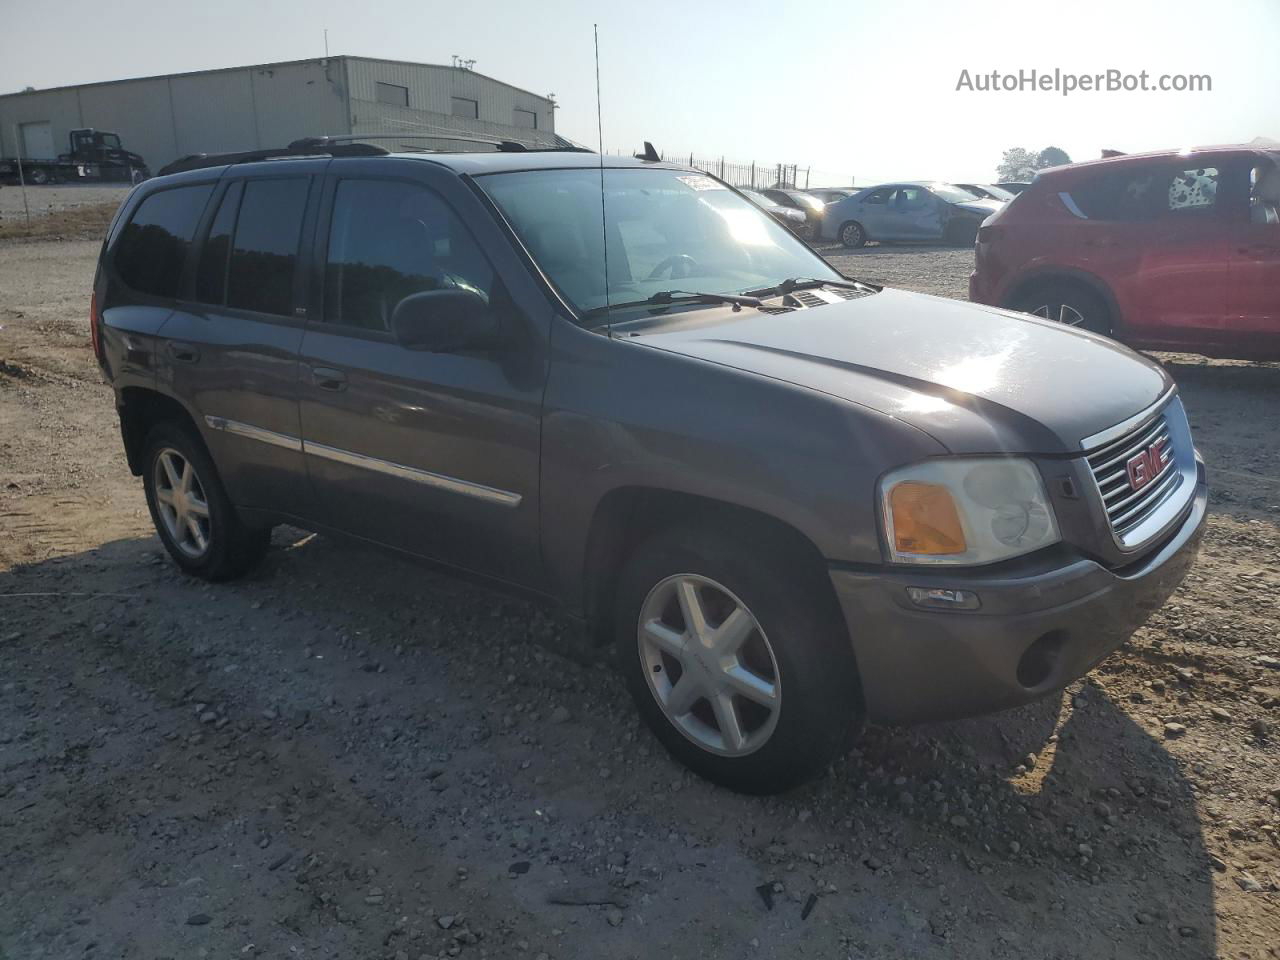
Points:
(247, 108)
(431, 92)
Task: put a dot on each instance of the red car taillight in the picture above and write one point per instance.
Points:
(95, 326)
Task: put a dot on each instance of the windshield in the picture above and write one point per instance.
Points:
(952, 194)
(667, 229)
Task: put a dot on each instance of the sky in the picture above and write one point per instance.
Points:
(858, 92)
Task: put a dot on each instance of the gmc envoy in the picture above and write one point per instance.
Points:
(792, 501)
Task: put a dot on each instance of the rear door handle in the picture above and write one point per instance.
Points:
(183, 352)
(326, 378)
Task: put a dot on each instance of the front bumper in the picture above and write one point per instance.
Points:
(1036, 631)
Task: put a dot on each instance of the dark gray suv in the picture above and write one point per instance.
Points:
(792, 501)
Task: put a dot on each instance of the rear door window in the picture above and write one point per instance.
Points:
(152, 248)
(264, 251)
(1149, 193)
(211, 274)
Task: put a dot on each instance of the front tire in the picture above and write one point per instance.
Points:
(196, 521)
(736, 659)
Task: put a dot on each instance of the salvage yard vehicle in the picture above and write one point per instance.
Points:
(94, 155)
(891, 212)
(988, 191)
(793, 218)
(811, 206)
(789, 500)
(1175, 250)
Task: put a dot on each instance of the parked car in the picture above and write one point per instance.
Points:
(809, 205)
(831, 194)
(1163, 251)
(988, 191)
(1013, 186)
(792, 218)
(880, 509)
(927, 210)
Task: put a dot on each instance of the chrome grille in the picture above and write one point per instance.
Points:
(1126, 507)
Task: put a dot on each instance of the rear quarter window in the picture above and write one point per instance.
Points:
(152, 247)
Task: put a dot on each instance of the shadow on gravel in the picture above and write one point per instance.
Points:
(343, 702)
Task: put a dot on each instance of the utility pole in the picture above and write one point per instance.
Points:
(22, 180)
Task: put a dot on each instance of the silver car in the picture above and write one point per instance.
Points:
(924, 210)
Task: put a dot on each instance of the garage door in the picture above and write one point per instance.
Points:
(37, 140)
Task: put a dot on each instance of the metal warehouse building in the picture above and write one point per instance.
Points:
(246, 108)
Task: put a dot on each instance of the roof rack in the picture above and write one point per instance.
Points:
(502, 146)
(295, 150)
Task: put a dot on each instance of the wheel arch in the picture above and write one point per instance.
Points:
(626, 515)
(1082, 278)
(140, 409)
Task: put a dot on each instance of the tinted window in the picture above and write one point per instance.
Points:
(211, 275)
(388, 240)
(1147, 193)
(265, 251)
(152, 248)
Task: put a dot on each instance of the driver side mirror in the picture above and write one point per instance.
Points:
(445, 321)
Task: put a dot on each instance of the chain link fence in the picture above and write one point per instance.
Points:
(762, 176)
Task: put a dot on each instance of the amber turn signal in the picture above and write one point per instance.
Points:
(925, 520)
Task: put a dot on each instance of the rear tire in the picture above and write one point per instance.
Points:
(1067, 303)
(852, 235)
(39, 176)
(197, 523)
(793, 653)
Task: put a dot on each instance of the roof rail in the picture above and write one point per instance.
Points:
(295, 150)
(502, 146)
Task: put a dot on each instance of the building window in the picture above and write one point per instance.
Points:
(525, 118)
(390, 93)
(462, 107)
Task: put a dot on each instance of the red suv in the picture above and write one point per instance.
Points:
(1165, 251)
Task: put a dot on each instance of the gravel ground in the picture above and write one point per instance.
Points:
(46, 200)
(347, 756)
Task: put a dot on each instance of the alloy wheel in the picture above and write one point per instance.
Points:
(709, 665)
(1060, 313)
(181, 502)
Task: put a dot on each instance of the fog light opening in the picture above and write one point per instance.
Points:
(1040, 659)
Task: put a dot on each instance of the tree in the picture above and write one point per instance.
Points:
(1052, 157)
(1018, 163)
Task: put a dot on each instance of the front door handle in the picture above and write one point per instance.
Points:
(183, 352)
(326, 378)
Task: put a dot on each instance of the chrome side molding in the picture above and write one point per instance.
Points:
(502, 498)
(254, 433)
(438, 480)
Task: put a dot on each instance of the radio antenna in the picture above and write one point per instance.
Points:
(604, 229)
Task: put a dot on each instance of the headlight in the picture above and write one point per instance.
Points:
(966, 511)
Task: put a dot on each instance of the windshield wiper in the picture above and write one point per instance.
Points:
(791, 284)
(665, 298)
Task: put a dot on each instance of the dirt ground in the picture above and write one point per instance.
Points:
(347, 756)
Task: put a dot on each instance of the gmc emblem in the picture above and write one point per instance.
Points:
(1146, 466)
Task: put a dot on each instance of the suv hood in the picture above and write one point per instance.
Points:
(977, 379)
